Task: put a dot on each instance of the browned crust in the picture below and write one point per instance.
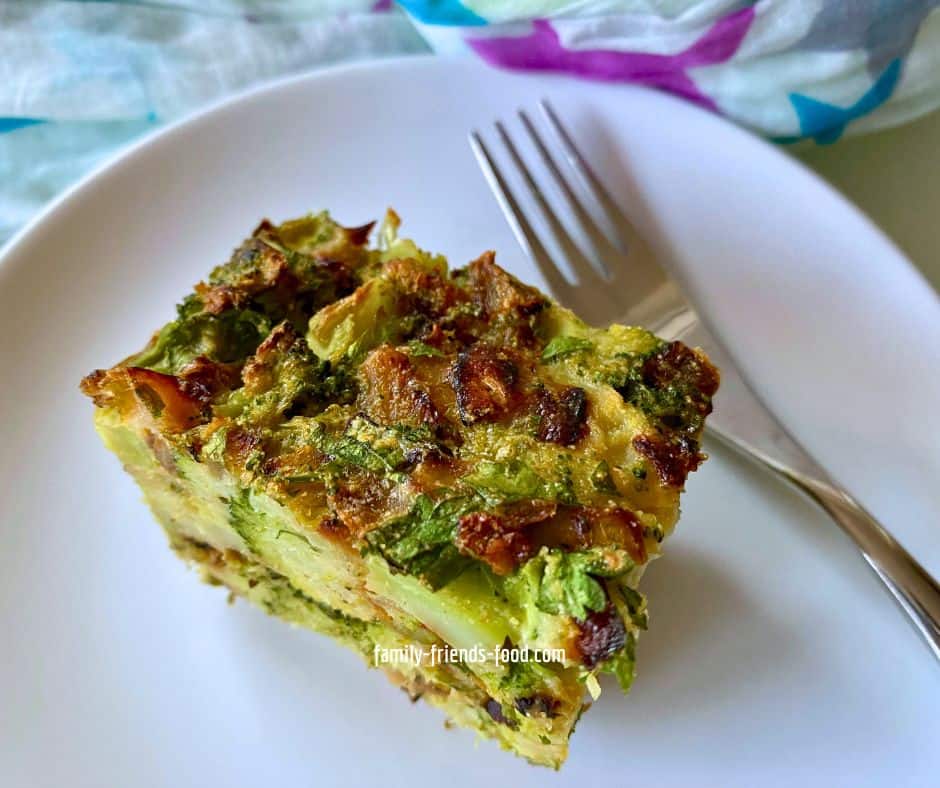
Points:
(678, 363)
(562, 416)
(172, 402)
(486, 381)
(673, 456)
(391, 392)
(422, 292)
(502, 539)
(506, 538)
(204, 379)
(500, 294)
(359, 500)
(582, 527)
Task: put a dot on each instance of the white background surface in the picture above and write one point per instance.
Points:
(773, 658)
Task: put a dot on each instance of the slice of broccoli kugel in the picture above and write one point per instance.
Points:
(446, 471)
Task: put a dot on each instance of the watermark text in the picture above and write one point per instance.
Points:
(433, 655)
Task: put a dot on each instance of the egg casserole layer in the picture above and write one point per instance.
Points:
(444, 470)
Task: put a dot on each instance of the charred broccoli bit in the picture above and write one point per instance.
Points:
(672, 384)
(406, 458)
(284, 378)
(280, 273)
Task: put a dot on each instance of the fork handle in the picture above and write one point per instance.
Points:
(744, 423)
(910, 584)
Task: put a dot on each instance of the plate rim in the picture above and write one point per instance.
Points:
(32, 232)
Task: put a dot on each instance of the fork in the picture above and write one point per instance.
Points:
(654, 299)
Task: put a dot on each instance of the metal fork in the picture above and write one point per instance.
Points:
(653, 299)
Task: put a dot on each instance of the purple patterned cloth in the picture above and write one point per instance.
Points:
(541, 50)
(791, 70)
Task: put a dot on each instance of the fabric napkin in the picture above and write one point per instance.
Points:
(80, 79)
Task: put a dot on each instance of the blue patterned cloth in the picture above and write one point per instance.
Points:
(80, 79)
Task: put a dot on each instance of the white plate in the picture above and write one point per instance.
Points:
(774, 656)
